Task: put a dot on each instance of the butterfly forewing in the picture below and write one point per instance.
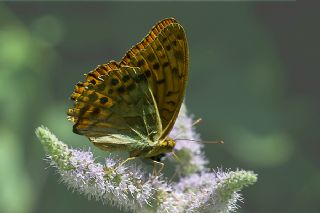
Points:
(163, 56)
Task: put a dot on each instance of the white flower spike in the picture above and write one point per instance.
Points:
(199, 189)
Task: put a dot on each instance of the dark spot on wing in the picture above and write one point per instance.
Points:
(178, 55)
(114, 81)
(159, 48)
(172, 103)
(165, 64)
(174, 43)
(131, 87)
(169, 93)
(91, 74)
(175, 70)
(104, 100)
(93, 96)
(140, 77)
(125, 78)
(95, 111)
(161, 81)
(164, 39)
(110, 91)
(121, 89)
(128, 56)
(167, 110)
(140, 63)
(179, 36)
(156, 66)
(101, 67)
(83, 110)
(148, 73)
(101, 86)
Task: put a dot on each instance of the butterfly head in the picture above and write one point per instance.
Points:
(167, 144)
(163, 146)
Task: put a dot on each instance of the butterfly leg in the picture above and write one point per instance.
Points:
(156, 172)
(123, 162)
(174, 175)
(176, 170)
(108, 170)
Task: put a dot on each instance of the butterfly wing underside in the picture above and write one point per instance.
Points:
(116, 110)
(121, 103)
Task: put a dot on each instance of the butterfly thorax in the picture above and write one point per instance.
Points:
(161, 147)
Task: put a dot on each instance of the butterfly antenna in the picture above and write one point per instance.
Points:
(196, 122)
(106, 169)
(208, 142)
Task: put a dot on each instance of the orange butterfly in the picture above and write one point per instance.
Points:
(132, 105)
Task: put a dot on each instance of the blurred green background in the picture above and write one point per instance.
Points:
(253, 80)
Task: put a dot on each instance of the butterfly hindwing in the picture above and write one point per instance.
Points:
(122, 106)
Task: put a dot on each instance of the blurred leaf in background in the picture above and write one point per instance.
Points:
(25, 58)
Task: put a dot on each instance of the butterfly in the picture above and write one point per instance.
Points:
(132, 105)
